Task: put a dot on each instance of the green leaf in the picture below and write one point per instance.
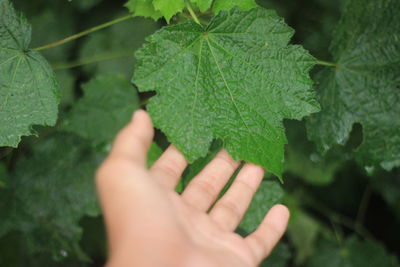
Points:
(168, 8)
(28, 89)
(353, 253)
(107, 106)
(268, 194)
(48, 195)
(229, 4)
(203, 5)
(143, 8)
(235, 80)
(364, 86)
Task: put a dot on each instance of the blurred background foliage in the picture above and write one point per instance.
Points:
(342, 215)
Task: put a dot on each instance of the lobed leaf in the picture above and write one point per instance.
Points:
(234, 80)
(364, 86)
(28, 88)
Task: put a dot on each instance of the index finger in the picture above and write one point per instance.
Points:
(134, 140)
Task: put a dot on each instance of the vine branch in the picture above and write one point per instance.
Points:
(90, 60)
(81, 34)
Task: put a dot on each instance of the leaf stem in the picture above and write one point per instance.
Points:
(81, 34)
(194, 16)
(90, 60)
(326, 63)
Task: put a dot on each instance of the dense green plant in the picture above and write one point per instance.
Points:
(222, 73)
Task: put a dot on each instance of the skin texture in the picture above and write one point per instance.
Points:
(149, 224)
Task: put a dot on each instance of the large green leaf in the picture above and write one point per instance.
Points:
(48, 195)
(235, 80)
(107, 106)
(364, 86)
(352, 253)
(28, 89)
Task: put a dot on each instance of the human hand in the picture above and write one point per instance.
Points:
(149, 224)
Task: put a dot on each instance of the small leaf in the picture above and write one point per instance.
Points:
(363, 87)
(168, 8)
(28, 89)
(143, 8)
(203, 5)
(229, 4)
(107, 106)
(235, 80)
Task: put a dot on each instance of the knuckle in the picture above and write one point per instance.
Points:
(260, 242)
(169, 168)
(232, 209)
(244, 186)
(206, 188)
(226, 159)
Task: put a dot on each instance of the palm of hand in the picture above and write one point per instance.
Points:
(182, 228)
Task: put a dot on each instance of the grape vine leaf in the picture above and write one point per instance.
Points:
(228, 4)
(364, 86)
(352, 253)
(28, 88)
(143, 8)
(107, 105)
(268, 194)
(49, 193)
(234, 80)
